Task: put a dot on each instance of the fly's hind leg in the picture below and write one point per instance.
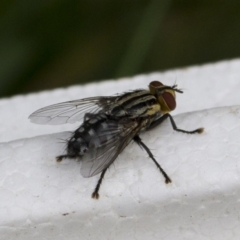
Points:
(61, 157)
(138, 140)
(167, 115)
(95, 193)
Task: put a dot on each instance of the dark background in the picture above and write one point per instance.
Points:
(52, 43)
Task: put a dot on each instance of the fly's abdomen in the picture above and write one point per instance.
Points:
(93, 134)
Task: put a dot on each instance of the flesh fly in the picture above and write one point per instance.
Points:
(110, 123)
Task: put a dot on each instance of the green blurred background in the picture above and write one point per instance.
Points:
(55, 43)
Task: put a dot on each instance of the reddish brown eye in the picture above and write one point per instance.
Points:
(169, 100)
(156, 84)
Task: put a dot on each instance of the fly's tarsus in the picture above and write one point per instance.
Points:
(95, 193)
(198, 130)
(174, 126)
(59, 158)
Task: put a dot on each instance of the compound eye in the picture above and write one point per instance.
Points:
(156, 84)
(170, 102)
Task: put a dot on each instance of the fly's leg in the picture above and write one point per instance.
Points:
(60, 158)
(95, 193)
(138, 140)
(167, 115)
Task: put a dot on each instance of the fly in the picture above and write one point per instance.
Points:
(110, 123)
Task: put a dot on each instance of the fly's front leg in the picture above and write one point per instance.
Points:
(138, 140)
(167, 115)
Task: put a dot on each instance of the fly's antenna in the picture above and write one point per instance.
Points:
(174, 87)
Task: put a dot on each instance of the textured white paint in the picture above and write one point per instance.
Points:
(42, 199)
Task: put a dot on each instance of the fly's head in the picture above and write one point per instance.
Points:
(165, 95)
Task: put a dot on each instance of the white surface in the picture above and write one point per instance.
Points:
(42, 199)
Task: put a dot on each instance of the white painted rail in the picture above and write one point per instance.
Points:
(42, 199)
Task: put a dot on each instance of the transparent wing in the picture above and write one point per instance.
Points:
(70, 112)
(109, 144)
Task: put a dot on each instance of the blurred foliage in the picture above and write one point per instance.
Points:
(53, 43)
